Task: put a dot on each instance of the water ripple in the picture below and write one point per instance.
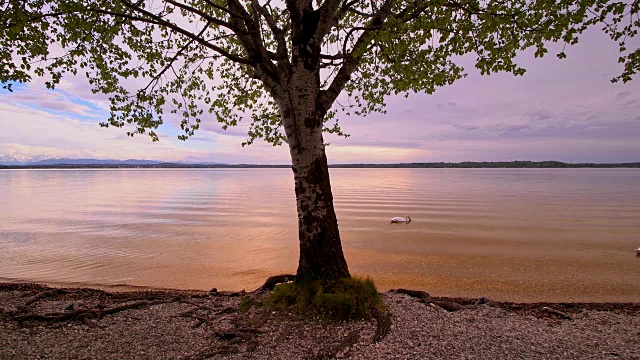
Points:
(472, 229)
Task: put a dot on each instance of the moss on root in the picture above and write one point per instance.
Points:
(344, 299)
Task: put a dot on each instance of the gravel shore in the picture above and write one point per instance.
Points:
(41, 322)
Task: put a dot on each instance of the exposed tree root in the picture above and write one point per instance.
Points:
(242, 332)
(84, 315)
(413, 293)
(484, 301)
(383, 320)
(557, 313)
(451, 306)
(331, 351)
(45, 294)
(446, 305)
(208, 319)
(272, 281)
(240, 335)
(257, 321)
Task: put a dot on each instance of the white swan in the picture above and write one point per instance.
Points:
(399, 219)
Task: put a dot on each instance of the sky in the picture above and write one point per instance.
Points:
(564, 110)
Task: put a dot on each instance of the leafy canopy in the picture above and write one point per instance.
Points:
(225, 57)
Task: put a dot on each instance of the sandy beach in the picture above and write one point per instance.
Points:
(37, 321)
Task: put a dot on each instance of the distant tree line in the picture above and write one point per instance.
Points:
(434, 165)
(494, 164)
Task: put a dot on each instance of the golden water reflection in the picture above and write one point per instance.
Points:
(512, 234)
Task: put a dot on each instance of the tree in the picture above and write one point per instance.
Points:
(284, 66)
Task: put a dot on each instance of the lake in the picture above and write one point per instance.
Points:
(508, 234)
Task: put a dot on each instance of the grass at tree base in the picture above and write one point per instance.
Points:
(345, 299)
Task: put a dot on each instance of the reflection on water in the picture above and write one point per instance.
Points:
(513, 234)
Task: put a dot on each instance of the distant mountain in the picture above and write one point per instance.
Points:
(6, 160)
(11, 161)
(65, 161)
(15, 161)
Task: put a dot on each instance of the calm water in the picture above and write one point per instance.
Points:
(522, 234)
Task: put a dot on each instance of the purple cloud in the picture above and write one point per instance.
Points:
(560, 109)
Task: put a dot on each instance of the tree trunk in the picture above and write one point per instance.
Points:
(321, 255)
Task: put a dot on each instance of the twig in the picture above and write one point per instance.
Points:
(557, 313)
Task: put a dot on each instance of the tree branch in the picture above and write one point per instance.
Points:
(204, 15)
(352, 59)
(158, 20)
(174, 58)
(222, 8)
(282, 52)
(251, 40)
(472, 10)
(295, 11)
(328, 13)
(418, 10)
(361, 13)
(342, 11)
(337, 56)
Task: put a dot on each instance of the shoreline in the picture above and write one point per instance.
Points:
(126, 290)
(130, 288)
